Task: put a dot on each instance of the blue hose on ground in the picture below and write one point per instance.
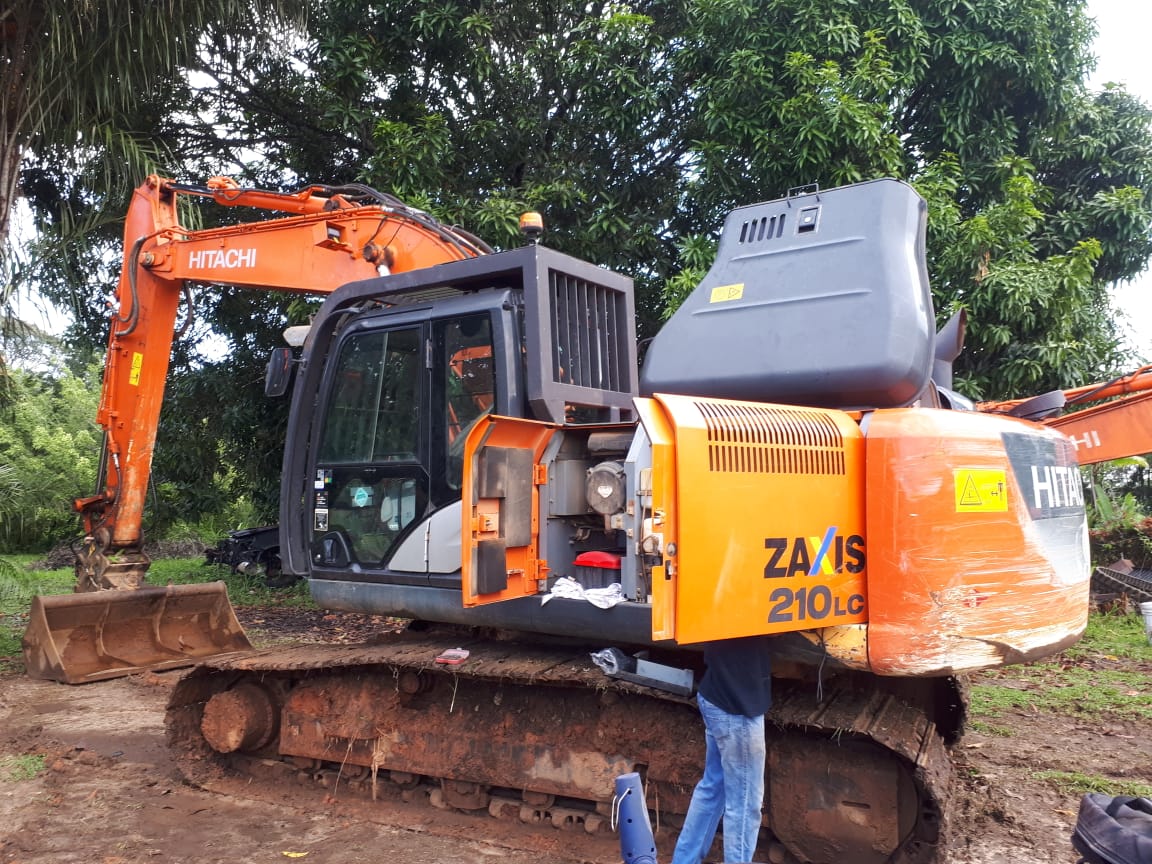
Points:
(630, 812)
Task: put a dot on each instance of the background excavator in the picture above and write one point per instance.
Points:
(468, 438)
(1106, 421)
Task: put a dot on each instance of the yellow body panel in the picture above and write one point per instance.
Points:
(769, 519)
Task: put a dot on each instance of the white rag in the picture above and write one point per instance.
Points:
(602, 598)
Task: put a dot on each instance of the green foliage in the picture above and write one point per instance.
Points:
(1073, 692)
(10, 649)
(1107, 515)
(1034, 323)
(633, 129)
(49, 448)
(984, 728)
(1122, 540)
(19, 584)
(242, 590)
(108, 57)
(1113, 635)
(1093, 679)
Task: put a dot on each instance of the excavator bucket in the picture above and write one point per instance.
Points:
(77, 638)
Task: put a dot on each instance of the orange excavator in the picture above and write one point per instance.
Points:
(114, 624)
(472, 446)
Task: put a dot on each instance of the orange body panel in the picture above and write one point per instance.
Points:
(769, 532)
(977, 542)
(915, 542)
(491, 494)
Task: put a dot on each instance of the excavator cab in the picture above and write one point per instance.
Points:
(380, 465)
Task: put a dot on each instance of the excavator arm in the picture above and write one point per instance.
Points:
(331, 237)
(1117, 421)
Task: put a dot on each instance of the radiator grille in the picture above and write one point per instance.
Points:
(767, 439)
(590, 330)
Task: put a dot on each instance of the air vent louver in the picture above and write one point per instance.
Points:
(767, 439)
(763, 228)
(589, 327)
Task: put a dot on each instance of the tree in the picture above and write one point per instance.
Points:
(480, 112)
(1040, 193)
(634, 128)
(72, 71)
(48, 452)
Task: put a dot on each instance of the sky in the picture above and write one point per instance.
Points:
(1121, 49)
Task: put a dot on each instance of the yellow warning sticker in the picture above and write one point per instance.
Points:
(724, 293)
(981, 490)
(134, 373)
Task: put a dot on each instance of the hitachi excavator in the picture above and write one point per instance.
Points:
(471, 447)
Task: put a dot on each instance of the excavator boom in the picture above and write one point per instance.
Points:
(1117, 422)
(332, 236)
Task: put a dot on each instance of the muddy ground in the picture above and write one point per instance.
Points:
(109, 792)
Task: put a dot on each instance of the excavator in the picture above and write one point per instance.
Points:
(473, 446)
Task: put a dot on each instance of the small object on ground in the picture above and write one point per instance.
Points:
(453, 656)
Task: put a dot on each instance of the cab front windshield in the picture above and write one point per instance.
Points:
(392, 438)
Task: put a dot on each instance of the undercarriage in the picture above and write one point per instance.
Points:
(539, 733)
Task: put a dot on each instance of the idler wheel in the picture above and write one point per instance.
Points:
(243, 718)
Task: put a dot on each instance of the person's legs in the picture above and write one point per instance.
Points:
(707, 805)
(742, 754)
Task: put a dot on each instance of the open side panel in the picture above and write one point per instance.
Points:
(501, 513)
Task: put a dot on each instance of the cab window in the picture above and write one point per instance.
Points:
(373, 414)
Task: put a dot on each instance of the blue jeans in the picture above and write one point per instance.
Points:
(732, 788)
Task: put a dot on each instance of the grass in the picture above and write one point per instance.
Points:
(10, 649)
(989, 729)
(242, 590)
(1113, 635)
(18, 584)
(16, 768)
(1073, 783)
(1073, 692)
(1093, 679)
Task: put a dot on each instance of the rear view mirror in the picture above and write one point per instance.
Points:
(278, 376)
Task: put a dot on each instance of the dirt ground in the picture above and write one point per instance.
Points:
(110, 793)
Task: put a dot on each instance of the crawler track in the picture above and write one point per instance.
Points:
(539, 733)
